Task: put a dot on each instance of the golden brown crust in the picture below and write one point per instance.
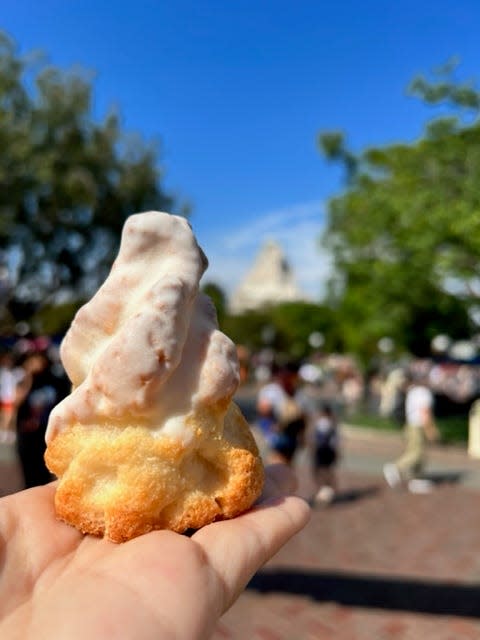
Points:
(121, 481)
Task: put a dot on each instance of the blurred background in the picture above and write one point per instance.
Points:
(327, 156)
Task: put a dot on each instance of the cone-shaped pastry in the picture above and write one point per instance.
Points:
(149, 437)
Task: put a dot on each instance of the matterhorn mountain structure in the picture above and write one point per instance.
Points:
(270, 280)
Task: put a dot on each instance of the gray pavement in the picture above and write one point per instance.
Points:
(11, 479)
(367, 450)
(377, 564)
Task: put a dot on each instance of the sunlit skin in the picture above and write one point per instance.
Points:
(57, 583)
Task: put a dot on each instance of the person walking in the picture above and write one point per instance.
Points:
(281, 414)
(37, 397)
(325, 455)
(420, 427)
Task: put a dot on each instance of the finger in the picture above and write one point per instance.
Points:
(33, 536)
(237, 548)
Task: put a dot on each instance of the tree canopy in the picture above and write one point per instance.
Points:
(67, 183)
(405, 232)
(285, 327)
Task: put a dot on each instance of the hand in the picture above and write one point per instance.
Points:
(57, 583)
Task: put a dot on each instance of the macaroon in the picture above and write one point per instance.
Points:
(149, 437)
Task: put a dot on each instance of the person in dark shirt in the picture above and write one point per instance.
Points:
(37, 395)
(325, 455)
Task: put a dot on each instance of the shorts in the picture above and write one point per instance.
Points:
(324, 457)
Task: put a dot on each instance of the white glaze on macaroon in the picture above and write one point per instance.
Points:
(146, 348)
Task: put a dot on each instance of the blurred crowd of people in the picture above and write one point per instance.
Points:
(289, 417)
(300, 404)
(457, 382)
(339, 379)
(32, 382)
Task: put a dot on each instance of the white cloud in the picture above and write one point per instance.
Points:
(296, 228)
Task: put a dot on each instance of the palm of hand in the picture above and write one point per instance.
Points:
(56, 583)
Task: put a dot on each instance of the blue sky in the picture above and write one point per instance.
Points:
(236, 93)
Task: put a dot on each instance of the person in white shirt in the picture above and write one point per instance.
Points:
(420, 426)
(281, 415)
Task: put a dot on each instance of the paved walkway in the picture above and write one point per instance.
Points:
(377, 565)
(366, 451)
(10, 475)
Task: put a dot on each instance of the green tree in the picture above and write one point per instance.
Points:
(296, 321)
(67, 183)
(404, 232)
(219, 299)
(285, 327)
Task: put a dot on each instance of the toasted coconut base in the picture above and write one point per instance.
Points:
(121, 481)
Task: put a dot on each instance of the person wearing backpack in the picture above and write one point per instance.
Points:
(325, 454)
